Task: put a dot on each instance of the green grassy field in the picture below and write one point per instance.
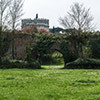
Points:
(49, 84)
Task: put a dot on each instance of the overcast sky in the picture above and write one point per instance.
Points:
(53, 9)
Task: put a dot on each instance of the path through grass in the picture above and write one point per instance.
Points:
(53, 66)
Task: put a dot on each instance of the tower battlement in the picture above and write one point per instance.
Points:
(39, 22)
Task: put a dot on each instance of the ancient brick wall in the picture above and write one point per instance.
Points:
(20, 41)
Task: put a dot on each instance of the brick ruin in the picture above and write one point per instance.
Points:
(20, 41)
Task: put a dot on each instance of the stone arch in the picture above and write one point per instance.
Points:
(66, 51)
(56, 47)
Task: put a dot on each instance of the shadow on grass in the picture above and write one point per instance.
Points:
(87, 81)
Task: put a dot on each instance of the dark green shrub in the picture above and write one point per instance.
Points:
(83, 63)
(19, 64)
(5, 40)
(41, 47)
(33, 65)
(94, 46)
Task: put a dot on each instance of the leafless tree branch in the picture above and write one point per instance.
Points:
(78, 17)
(3, 10)
(16, 11)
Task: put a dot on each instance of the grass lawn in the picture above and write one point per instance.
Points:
(49, 84)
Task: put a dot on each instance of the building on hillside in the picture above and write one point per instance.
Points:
(39, 22)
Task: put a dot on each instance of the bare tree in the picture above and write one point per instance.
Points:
(78, 18)
(3, 13)
(16, 11)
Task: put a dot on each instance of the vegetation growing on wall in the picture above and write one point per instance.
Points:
(67, 45)
(4, 44)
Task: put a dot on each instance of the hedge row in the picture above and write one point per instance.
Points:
(19, 64)
(84, 64)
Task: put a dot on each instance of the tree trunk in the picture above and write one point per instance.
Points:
(13, 45)
(0, 42)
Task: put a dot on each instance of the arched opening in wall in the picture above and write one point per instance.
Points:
(55, 60)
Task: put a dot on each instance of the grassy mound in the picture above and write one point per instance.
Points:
(86, 63)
